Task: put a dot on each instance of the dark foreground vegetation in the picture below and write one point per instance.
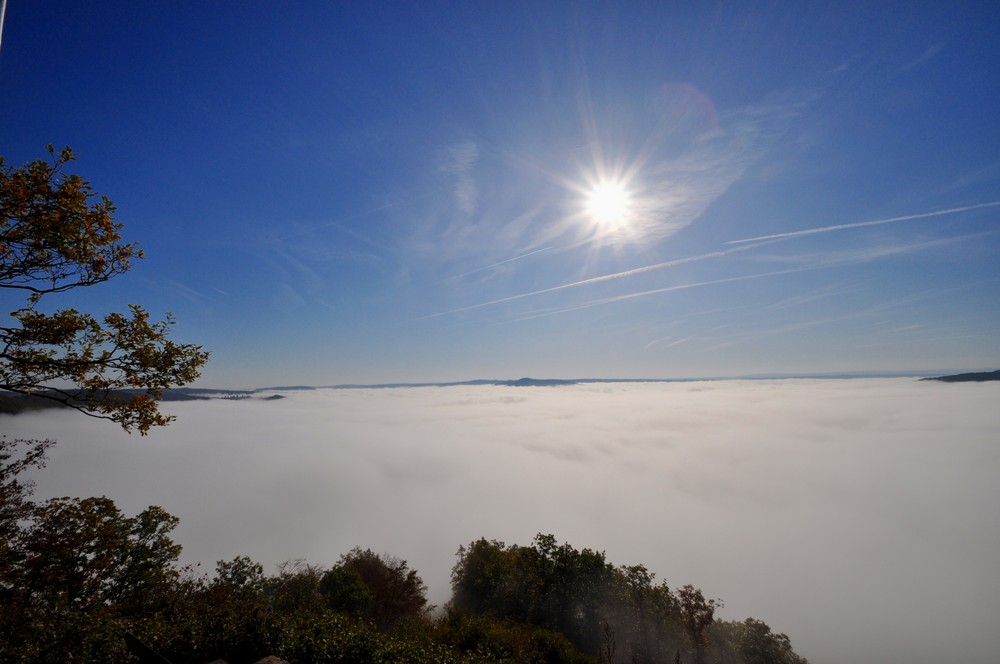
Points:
(76, 574)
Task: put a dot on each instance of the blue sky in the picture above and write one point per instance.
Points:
(371, 192)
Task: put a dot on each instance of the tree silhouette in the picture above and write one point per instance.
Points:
(697, 614)
(381, 588)
(55, 237)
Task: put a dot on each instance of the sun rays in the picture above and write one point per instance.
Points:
(608, 204)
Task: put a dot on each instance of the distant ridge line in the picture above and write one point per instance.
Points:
(12, 403)
(195, 392)
(973, 377)
(552, 382)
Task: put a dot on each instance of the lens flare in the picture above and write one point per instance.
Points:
(609, 204)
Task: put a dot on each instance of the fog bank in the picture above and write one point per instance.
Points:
(857, 516)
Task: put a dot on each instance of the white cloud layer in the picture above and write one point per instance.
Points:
(858, 516)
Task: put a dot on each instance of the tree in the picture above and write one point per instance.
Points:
(346, 592)
(16, 506)
(553, 586)
(757, 644)
(296, 588)
(487, 579)
(381, 588)
(82, 551)
(81, 569)
(240, 577)
(56, 235)
(697, 614)
(649, 614)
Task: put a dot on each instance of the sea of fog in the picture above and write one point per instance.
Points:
(860, 517)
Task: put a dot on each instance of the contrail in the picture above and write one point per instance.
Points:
(727, 280)
(746, 245)
(595, 280)
(509, 260)
(559, 248)
(349, 217)
(673, 342)
(877, 222)
(656, 291)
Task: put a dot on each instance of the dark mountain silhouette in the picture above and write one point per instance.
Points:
(974, 377)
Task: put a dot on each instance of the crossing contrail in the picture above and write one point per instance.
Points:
(746, 245)
(666, 289)
(504, 262)
(876, 222)
(595, 280)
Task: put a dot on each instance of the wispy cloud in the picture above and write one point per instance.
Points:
(931, 51)
(684, 159)
(285, 267)
(659, 291)
(675, 191)
(976, 176)
(866, 253)
(340, 222)
(804, 265)
(667, 342)
(287, 297)
(862, 224)
(461, 160)
(679, 173)
(594, 280)
(503, 262)
(190, 294)
(872, 316)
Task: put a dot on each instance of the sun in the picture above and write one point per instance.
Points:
(609, 204)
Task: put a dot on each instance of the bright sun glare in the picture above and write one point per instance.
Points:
(608, 204)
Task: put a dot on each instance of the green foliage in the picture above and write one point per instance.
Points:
(610, 613)
(296, 588)
(379, 588)
(240, 578)
(750, 642)
(646, 618)
(55, 238)
(344, 591)
(502, 640)
(16, 456)
(81, 570)
(555, 587)
(697, 614)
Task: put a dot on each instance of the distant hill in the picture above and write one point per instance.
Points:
(975, 377)
(12, 403)
(520, 382)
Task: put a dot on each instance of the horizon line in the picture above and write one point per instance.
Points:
(544, 382)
